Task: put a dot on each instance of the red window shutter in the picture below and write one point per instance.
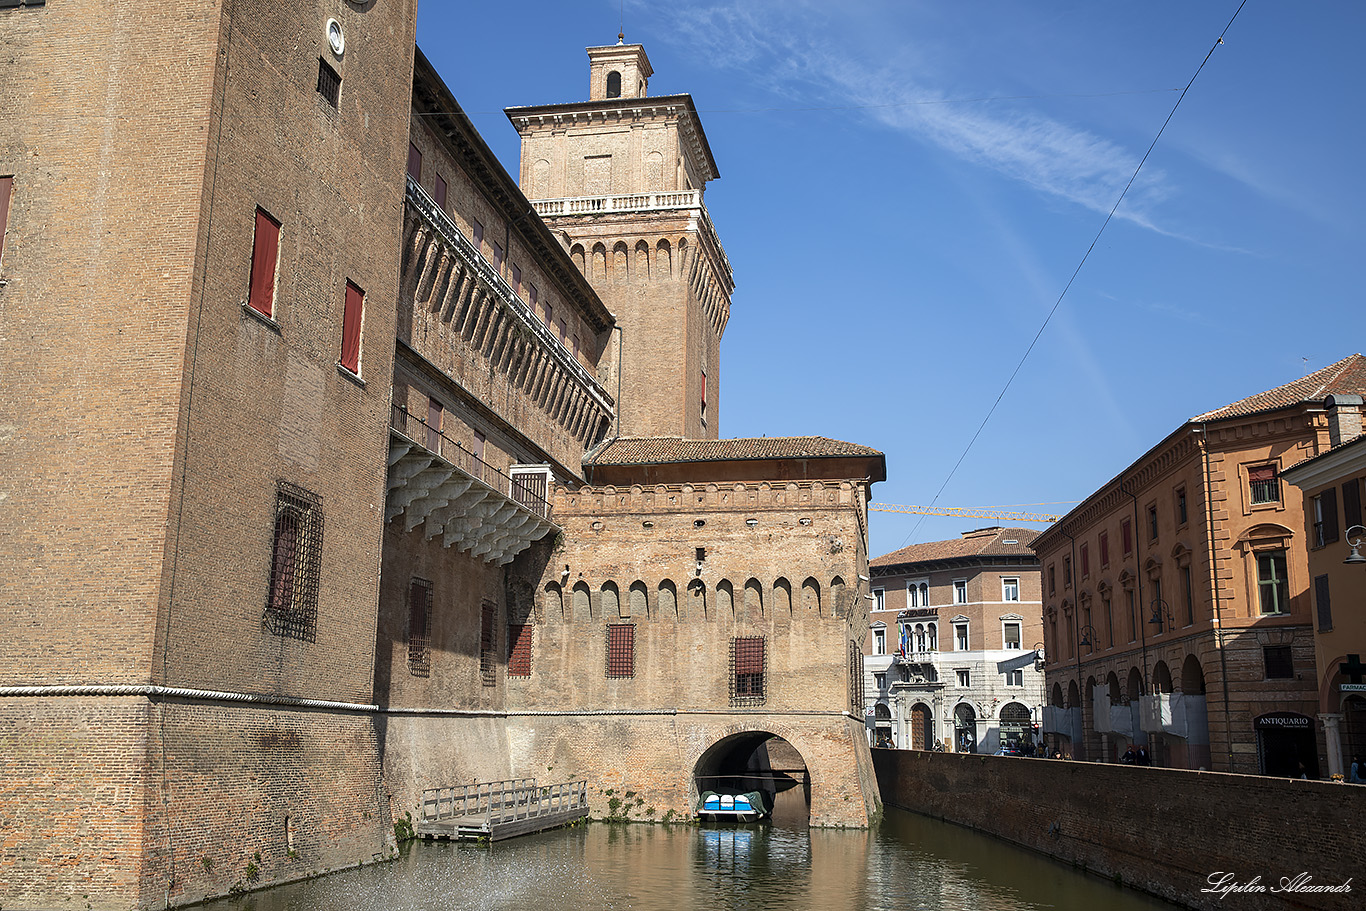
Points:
(440, 192)
(414, 162)
(749, 655)
(1261, 473)
(1085, 561)
(519, 649)
(351, 322)
(265, 254)
(477, 230)
(621, 650)
(6, 188)
(1127, 532)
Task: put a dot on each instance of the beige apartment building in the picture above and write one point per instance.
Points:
(1177, 613)
(953, 644)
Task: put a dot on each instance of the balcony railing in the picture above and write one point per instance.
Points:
(633, 202)
(415, 428)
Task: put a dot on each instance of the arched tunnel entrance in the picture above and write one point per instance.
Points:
(758, 761)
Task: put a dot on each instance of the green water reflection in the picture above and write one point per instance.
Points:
(910, 862)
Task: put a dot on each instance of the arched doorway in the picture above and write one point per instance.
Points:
(1015, 727)
(757, 761)
(1286, 746)
(964, 729)
(922, 727)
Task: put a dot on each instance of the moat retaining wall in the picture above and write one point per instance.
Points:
(1164, 831)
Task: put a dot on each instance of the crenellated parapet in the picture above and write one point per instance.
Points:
(720, 497)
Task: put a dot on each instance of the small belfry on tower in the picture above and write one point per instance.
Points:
(622, 176)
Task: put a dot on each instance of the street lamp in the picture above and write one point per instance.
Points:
(1162, 615)
(1088, 637)
(1355, 556)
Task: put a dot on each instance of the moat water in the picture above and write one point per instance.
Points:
(909, 862)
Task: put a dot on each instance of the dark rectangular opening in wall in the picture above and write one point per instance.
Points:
(1279, 664)
(329, 82)
(420, 628)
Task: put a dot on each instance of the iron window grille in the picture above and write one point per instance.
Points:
(329, 82)
(1279, 663)
(519, 649)
(488, 642)
(296, 564)
(1264, 484)
(420, 628)
(856, 679)
(621, 650)
(748, 671)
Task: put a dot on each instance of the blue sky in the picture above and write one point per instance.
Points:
(907, 187)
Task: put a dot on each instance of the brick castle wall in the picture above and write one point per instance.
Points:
(1164, 831)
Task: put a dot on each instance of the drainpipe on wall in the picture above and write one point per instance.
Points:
(1214, 572)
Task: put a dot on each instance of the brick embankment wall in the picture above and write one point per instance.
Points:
(1164, 831)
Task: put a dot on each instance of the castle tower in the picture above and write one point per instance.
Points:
(621, 176)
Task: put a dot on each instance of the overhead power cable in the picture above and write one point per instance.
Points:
(1075, 273)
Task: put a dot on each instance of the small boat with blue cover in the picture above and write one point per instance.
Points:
(747, 807)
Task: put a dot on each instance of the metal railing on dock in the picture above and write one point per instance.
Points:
(501, 809)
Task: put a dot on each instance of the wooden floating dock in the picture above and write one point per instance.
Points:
(500, 809)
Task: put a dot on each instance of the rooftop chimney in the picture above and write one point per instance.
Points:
(1344, 418)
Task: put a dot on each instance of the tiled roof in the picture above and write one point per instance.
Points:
(983, 545)
(1347, 376)
(656, 450)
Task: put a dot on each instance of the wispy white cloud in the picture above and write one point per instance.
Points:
(793, 50)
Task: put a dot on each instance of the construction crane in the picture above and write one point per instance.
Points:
(963, 512)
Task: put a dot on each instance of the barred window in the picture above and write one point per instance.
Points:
(329, 83)
(519, 649)
(621, 650)
(748, 671)
(420, 628)
(488, 642)
(856, 679)
(296, 564)
(1279, 663)
(1265, 484)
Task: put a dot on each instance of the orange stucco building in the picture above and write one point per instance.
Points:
(1177, 612)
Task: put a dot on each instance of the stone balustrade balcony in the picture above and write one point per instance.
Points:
(436, 484)
(636, 203)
